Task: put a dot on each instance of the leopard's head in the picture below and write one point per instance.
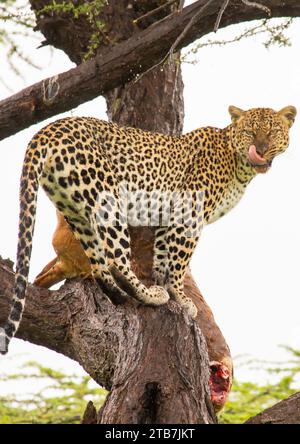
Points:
(260, 134)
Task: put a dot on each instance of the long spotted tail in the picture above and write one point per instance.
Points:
(28, 197)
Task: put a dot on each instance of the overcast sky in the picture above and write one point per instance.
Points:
(247, 264)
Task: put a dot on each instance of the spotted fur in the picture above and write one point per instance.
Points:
(77, 159)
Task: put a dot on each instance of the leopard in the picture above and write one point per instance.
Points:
(88, 168)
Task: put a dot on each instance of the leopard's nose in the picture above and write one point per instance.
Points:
(261, 148)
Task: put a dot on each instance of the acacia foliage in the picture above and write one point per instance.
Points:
(61, 398)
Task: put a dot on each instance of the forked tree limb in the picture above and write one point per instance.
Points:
(121, 63)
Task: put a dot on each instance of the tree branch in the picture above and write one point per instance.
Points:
(220, 15)
(123, 62)
(284, 412)
(260, 6)
(154, 11)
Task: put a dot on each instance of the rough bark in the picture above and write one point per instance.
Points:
(284, 412)
(163, 393)
(119, 64)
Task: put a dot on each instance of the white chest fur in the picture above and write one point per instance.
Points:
(231, 197)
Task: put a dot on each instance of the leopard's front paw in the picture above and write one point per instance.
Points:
(185, 302)
(190, 307)
(158, 295)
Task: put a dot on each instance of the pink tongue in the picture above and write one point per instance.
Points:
(254, 157)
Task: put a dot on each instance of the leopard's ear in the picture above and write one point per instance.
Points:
(288, 113)
(235, 113)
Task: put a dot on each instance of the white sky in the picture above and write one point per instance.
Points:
(247, 264)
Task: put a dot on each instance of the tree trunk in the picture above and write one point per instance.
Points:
(161, 377)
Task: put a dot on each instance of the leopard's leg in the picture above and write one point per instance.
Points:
(181, 239)
(80, 203)
(163, 204)
(116, 238)
(160, 256)
(180, 249)
(85, 230)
